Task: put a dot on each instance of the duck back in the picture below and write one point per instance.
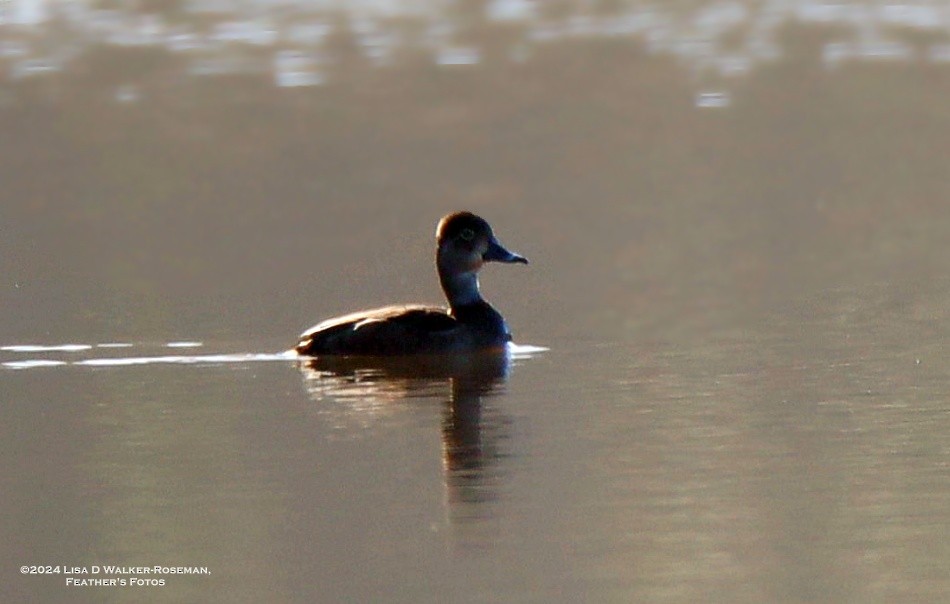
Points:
(391, 330)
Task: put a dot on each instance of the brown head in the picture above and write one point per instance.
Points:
(465, 243)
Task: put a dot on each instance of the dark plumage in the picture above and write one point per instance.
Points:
(465, 243)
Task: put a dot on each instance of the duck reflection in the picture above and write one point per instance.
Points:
(366, 389)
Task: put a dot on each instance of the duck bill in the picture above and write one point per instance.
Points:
(497, 253)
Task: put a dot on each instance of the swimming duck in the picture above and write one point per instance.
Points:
(464, 243)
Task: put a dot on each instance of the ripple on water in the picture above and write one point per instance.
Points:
(33, 364)
(42, 348)
(517, 352)
(141, 359)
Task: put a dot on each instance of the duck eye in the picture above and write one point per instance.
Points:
(467, 234)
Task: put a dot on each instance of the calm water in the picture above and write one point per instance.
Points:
(731, 384)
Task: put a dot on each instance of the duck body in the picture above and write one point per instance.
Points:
(465, 243)
(406, 329)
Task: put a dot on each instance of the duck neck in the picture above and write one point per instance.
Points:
(461, 289)
(469, 308)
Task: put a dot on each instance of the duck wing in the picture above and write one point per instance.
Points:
(383, 331)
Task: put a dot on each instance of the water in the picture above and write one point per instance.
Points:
(731, 380)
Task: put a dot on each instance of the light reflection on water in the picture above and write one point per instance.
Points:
(513, 352)
(131, 360)
(353, 394)
(297, 46)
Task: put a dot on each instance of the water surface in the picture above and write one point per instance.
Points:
(732, 384)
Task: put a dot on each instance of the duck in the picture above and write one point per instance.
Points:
(464, 243)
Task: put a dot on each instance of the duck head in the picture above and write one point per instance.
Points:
(465, 243)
